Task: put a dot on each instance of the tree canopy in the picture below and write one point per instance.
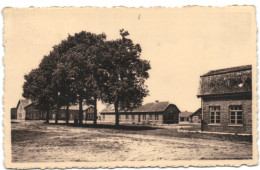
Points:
(125, 74)
(87, 67)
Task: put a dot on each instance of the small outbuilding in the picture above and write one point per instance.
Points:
(185, 117)
(196, 116)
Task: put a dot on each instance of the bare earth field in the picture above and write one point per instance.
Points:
(34, 141)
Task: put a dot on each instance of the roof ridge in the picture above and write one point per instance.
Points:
(227, 70)
(147, 107)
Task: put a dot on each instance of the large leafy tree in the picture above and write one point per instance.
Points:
(68, 73)
(64, 82)
(95, 79)
(61, 85)
(124, 74)
(44, 85)
(37, 89)
(79, 61)
(85, 67)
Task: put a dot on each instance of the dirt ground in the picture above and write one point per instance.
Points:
(34, 141)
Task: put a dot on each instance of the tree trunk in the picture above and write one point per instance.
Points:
(117, 114)
(57, 115)
(80, 111)
(42, 113)
(95, 111)
(67, 114)
(47, 116)
(57, 109)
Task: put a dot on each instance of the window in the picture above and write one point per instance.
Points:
(156, 117)
(144, 117)
(103, 117)
(133, 117)
(182, 119)
(195, 117)
(150, 116)
(214, 114)
(236, 116)
(126, 116)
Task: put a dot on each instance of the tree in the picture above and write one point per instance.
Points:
(95, 79)
(66, 56)
(79, 62)
(37, 89)
(67, 95)
(124, 74)
(66, 77)
(47, 85)
(61, 90)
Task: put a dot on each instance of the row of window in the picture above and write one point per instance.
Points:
(235, 114)
(156, 117)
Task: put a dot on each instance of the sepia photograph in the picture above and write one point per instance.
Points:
(114, 87)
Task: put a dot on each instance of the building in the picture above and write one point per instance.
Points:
(196, 116)
(150, 113)
(89, 112)
(13, 113)
(73, 112)
(31, 113)
(185, 117)
(26, 110)
(20, 109)
(226, 100)
(190, 117)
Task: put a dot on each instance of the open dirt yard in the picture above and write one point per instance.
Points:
(34, 141)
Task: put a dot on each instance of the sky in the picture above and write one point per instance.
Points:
(180, 43)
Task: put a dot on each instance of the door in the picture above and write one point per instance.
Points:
(139, 118)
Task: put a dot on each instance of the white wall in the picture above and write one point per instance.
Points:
(122, 118)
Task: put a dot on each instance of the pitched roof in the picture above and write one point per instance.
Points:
(149, 107)
(226, 81)
(185, 114)
(199, 110)
(32, 103)
(23, 102)
(228, 70)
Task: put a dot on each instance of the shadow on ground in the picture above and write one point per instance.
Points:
(120, 127)
(157, 131)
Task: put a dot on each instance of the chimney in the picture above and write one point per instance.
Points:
(156, 101)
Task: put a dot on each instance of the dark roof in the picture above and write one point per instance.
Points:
(90, 107)
(29, 104)
(226, 81)
(149, 107)
(185, 114)
(23, 102)
(199, 110)
(228, 70)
